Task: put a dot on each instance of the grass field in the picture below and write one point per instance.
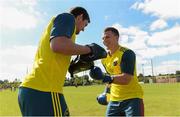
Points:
(159, 99)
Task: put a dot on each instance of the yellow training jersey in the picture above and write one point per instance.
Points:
(112, 65)
(49, 68)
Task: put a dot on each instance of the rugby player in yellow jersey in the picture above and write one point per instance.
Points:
(126, 95)
(41, 93)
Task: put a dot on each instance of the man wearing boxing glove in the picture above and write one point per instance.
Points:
(126, 96)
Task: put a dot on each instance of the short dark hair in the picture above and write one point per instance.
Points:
(78, 11)
(112, 29)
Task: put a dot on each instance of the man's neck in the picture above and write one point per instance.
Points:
(113, 50)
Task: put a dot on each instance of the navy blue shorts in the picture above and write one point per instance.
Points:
(130, 107)
(37, 103)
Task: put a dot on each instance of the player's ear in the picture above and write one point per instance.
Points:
(117, 38)
(79, 17)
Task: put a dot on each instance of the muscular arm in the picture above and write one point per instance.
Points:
(122, 79)
(127, 68)
(64, 45)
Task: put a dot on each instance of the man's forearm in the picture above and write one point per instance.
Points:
(122, 79)
(65, 46)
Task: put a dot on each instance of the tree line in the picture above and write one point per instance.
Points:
(86, 80)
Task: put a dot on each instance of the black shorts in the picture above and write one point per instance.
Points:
(37, 103)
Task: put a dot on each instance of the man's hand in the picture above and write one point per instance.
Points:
(97, 52)
(78, 65)
(102, 99)
(97, 74)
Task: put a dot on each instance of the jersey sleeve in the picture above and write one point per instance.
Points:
(63, 25)
(128, 62)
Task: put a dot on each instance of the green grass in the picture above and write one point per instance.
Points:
(159, 99)
(162, 99)
(9, 103)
